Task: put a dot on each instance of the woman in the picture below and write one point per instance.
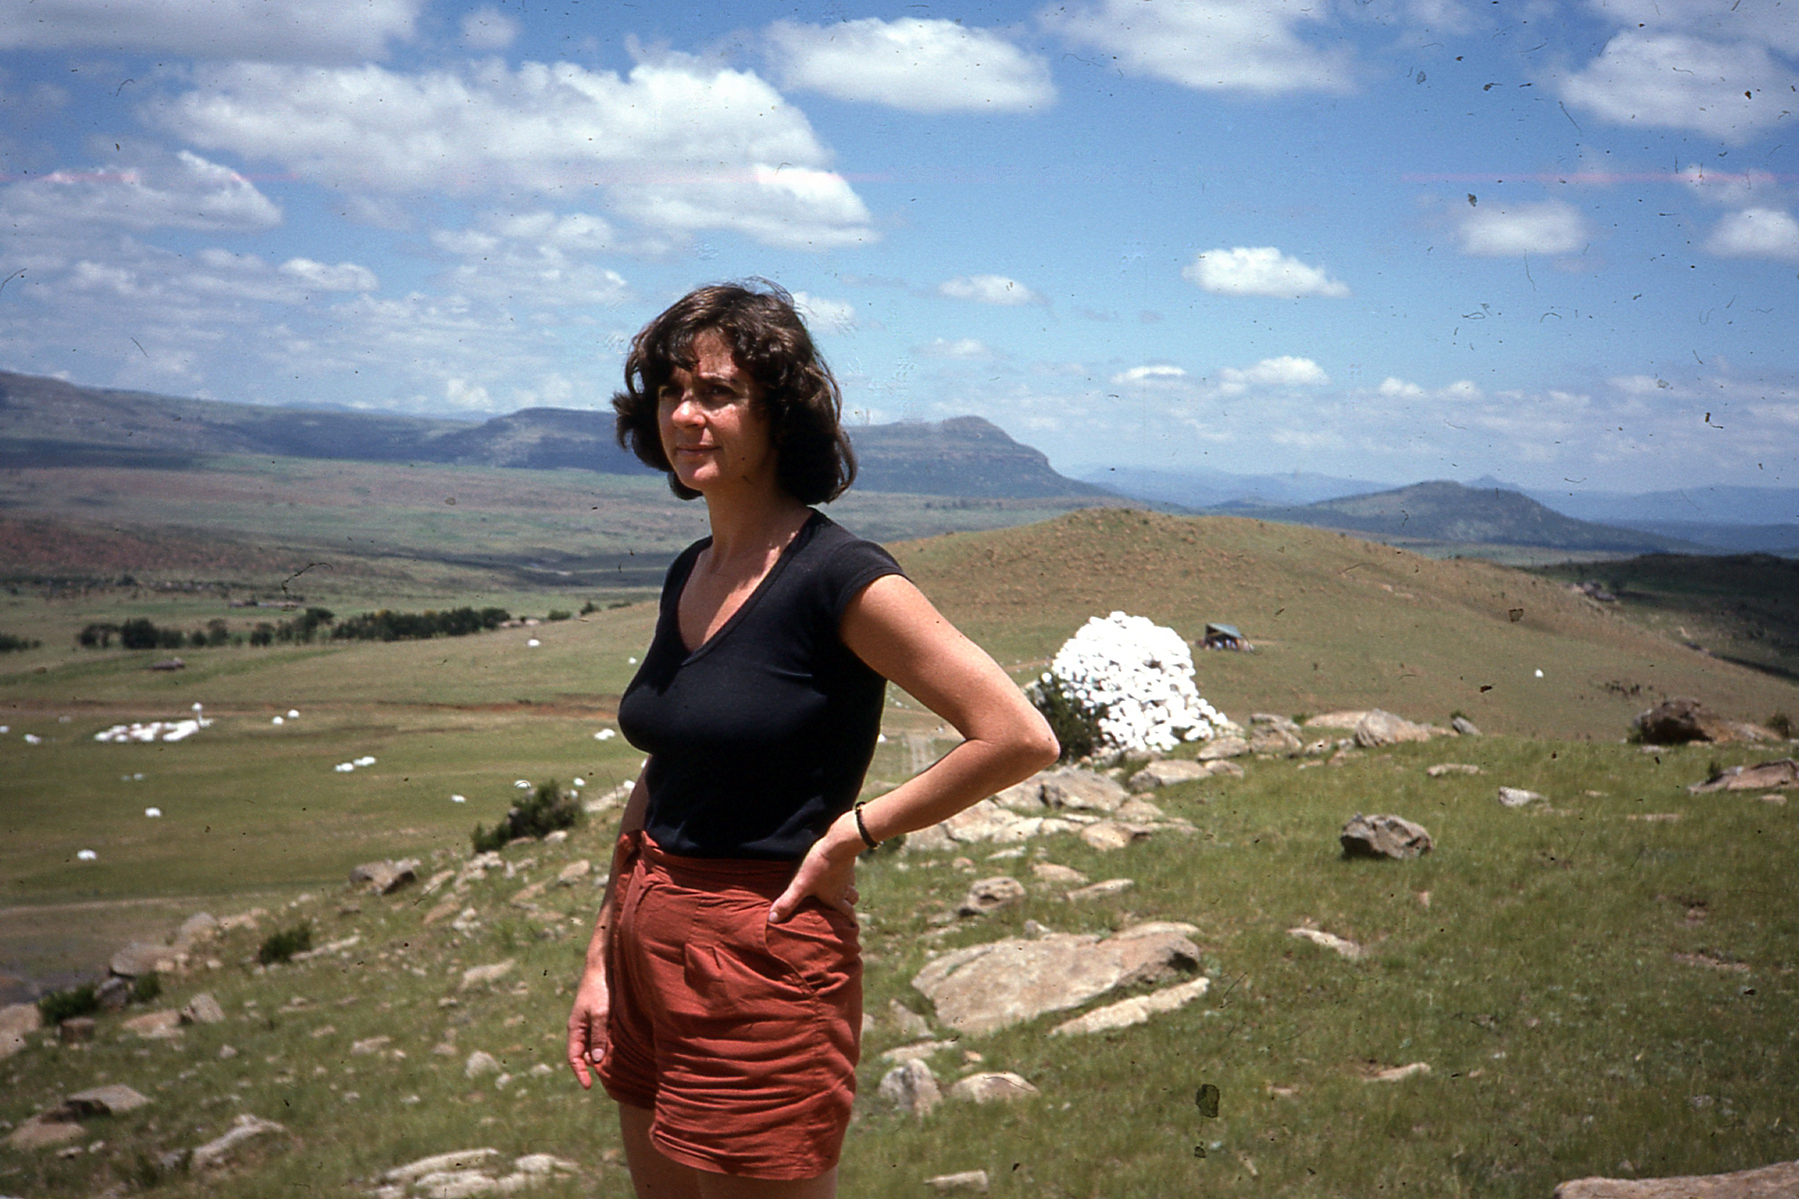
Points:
(721, 999)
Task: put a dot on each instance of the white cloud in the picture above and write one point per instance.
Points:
(180, 191)
(345, 276)
(1148, 376)
(1213, 45)
(290, 31)
(835, 315)
(1756, 233)
(917, 65)
(961, 347)
(677, 145)
(1677, 81)
(1547, 227)
(1731, 187)
(533, 260)
(988, 289)
(1399, 389)
(1259, 271)
(1285, 371)
(488, 29)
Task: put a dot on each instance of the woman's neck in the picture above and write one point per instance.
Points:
(751, 530)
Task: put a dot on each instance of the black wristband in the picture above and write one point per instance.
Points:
(863, 829)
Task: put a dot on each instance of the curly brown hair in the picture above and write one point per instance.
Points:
(768, 340)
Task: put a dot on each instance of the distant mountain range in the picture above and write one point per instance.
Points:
(1439, 512)
(48, 422)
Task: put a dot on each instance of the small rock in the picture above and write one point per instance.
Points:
(41, 1132)
(1101, 890)
(370, 1045)
(246, 1127)
(1517, 797)
(140, 958)
(1223, 747)
(1050, 873)
(479, 975)
(911, 1087)
(1464, 726)
(1331, 941)
(76, 1030)
(480, 1062)
(993, 1087)
(1135, 1010)
(1378, 727)
(973, 1181)
(990, 895)
(1167, 773)
(918, 1051)
(574, 872)
(1443, 768)
(155, 1024)
(1080, 791)
(1766, 1182)
(384, 878)
(905, 1021)
(203, 1009)
(113, 1100)
(1396, 1073)
(1113, 834)
(16, 1020)
(1383, 837)
(466, 1159)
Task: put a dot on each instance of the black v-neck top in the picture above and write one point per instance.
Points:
(761, 737)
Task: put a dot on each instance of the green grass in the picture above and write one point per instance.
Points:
(1555, 982)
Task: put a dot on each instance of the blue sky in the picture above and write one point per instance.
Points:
(1395, 239)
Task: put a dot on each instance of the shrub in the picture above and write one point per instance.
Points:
(1781, 723)
(547, 810)
(10, 644)
(1075, 725)
(282, 944)
(559, 614)
(58, 1006)
(146, 987)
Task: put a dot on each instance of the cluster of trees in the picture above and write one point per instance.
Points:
(386, 625)
(312, 624)
(11, 644)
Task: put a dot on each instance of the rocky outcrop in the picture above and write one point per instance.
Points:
(1331, 941)
(987, 987)
(1135, 1010)
(990, 895)
(1779, 1181)
(911, 1087)
(1765, 776)
(384, 878)
(1681, 720)
(1383, 837)
(1378, 727)
(993, 1087)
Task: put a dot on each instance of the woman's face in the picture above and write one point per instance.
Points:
(713, 425)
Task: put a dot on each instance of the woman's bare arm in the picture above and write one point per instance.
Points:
(894, 629)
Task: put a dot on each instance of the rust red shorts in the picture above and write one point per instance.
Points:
(740, 1036)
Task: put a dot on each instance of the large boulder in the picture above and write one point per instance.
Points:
(1764, 776)
(384, 878)
(1680, 720)
(1383, 837)
(1080, 791)
(1779, 1181)
(15, 1021)
(984, 988)
(141, 957)
(1378, 727)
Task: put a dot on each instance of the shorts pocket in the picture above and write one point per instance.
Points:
(820, 945)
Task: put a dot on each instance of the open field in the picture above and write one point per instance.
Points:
(1600, 984)
(1594, 991)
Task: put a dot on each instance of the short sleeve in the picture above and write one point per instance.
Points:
(854, 566)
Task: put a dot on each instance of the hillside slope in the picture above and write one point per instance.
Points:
(1338, 622)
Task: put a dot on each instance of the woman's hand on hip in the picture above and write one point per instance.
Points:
(827, 873)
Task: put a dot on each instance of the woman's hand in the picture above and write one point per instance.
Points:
(587, 1026)
(827, 873)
